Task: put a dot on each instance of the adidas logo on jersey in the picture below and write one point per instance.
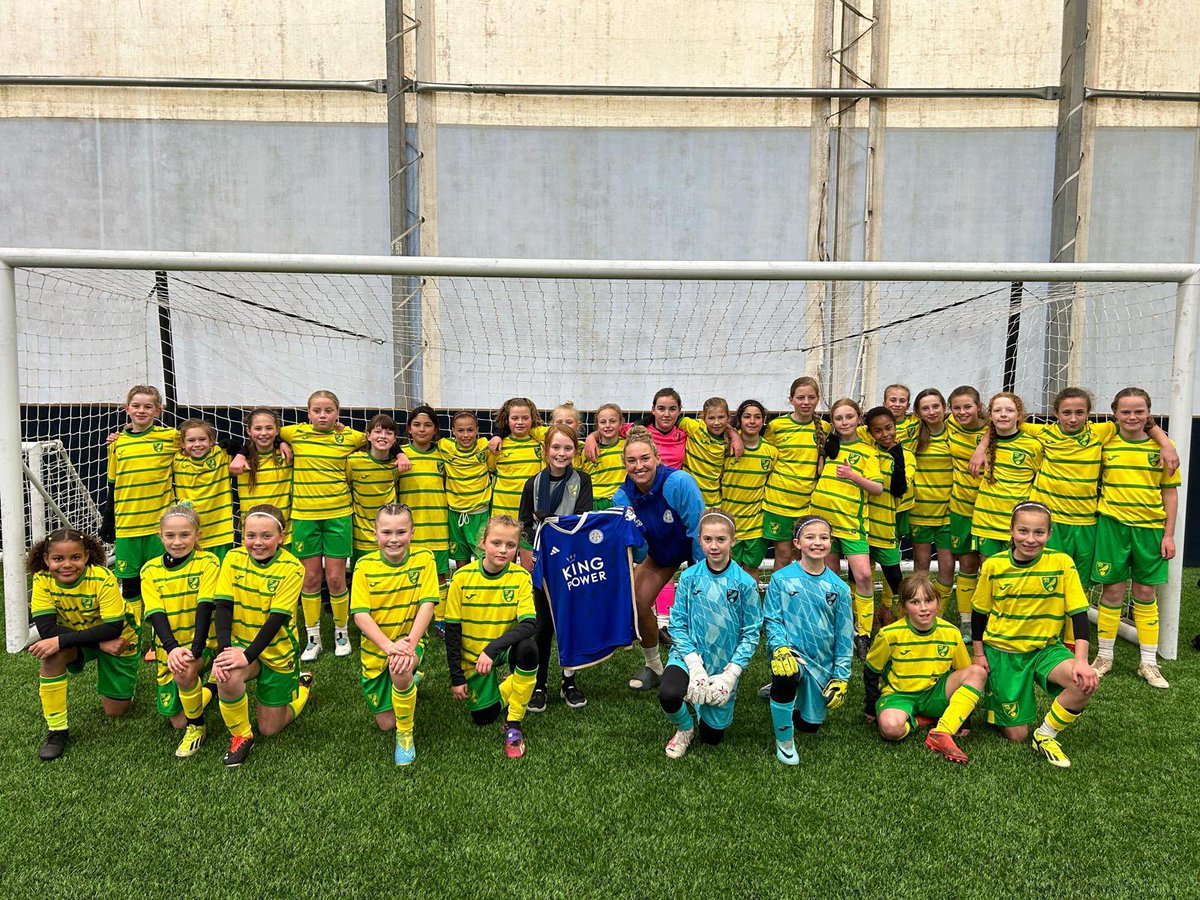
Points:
(553, 551)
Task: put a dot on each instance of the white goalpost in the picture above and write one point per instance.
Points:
(224, 332)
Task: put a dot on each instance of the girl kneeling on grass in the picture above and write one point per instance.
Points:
(174, 590)
(257, 593)
(1020, 605)
(715, 623)
(80, 615)
(928, 676)
(810, 638)
(491, 620)
(395, 592)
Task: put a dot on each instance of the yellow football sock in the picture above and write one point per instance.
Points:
(1107, 620)
(312, 609)
(864, 613)
(518, 687)
(1145, 617)
(236, 714)
(404, 704)
(889, 599)
(943, 595)
(341, 609)
(965, 592)
(53, 692)
(962, 702)
(296, 704)
(1057, 719)
(192, 700)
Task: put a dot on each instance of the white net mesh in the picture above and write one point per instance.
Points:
(220, 343)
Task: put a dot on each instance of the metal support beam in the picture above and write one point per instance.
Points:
(819, 91)
(817, 293)
(403, 216)
(1071, 202)
(12, 480)
(373, 86)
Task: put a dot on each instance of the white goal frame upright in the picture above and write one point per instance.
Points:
(12, 504)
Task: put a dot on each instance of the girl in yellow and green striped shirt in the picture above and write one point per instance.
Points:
(423, 489)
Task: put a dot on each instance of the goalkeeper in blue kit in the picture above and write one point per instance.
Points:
(810, 638)
(715, 623)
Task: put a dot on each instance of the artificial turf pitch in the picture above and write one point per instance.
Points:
(595, 808)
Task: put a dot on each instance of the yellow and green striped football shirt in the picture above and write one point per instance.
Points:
(372, 486)
(176, 593)
(795, 474)
(487, 605)
(273, 485)
(1069, 480)
(910, 661)
(1131, 482)
(468, 479)
(743, 486)
(319, 489)
(519, 459)
(965, 486)
(258, 589)
(93, 599)
(882, 509)
(1017, 459)
(1027, 602)
(205, 483)
(423, 490)
(906, 431)
(704, 457)
(391, 594)
(933, 482)
(139, 477)
(608, 471)
(841, 501)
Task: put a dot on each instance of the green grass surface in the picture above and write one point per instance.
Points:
(595, 808)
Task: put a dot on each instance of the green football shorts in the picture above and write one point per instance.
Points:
(1011, 677)
(930, 702)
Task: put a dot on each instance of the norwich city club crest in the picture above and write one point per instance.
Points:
(413, 575)
(1103, 568)
(211, 462)
(1011, 709)
(1050, 582)
(339, 438)
(272, 584)
(1153, 458)
(481, 456)
(158, 446)
(732, 597)
(943, 650)
(765, 463)
(193, 582)
(509, 593)
(1084, 439)
(87, 602)
(1019, 457)
(853, 458)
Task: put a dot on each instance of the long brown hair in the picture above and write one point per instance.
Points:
(252, 455)
(924, 434)
(993, 435)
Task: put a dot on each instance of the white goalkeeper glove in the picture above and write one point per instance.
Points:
(720, 687)
(697, 691)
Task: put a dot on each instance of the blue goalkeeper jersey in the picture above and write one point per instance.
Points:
(585, 566)
(812, 615)
(668, 515)
(717, 615)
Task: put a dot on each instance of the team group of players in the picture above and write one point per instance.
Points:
(1026, 516)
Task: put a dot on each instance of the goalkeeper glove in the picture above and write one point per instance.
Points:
(697, 691)
(720, 687)
(835, 693)
(785, 662)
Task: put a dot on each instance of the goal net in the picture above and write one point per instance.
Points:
(218, 343)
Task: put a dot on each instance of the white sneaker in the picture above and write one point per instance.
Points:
(312, 650)
(679, 743)
(1103, 665)
(341, 642)
(1153, 676)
